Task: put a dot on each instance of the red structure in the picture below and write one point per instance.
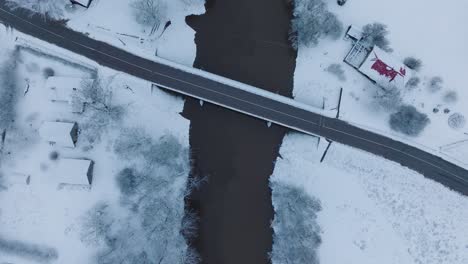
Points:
(383, 69)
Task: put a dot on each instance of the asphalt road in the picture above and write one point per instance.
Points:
(425, 163)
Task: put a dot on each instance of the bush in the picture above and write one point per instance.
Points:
(408, 121)
(435, 84)
(413, 82)
(48, 72)
(336, 70)
(151, 13)
(48, 8)
(376, 35)
(127, 181)
(311, 22)
(457, 121)
(389, 99)
(413, 63)
(450, 97)
(31, 251)
(296, 235)
(8, 92)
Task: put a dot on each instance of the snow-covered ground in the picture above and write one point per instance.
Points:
(34, 208)
(121, 29)
(415, 30)
(373, 210)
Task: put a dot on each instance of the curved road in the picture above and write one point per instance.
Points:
(233, 98)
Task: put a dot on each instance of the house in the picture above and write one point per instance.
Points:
(83, 3)
(65, 89)
(75, 172)
(384, 69)
(63, 134)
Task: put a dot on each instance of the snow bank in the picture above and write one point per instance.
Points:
(374, 210)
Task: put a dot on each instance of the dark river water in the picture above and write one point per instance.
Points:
(245, 40)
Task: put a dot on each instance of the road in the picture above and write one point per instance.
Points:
(429, 165)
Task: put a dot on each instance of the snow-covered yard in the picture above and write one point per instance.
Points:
(415, 30)
(372, 210)
(176, 43)
(44, 220)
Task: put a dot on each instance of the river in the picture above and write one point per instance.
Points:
(245, 40)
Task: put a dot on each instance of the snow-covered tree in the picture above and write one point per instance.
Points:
(150, 13)
(296, 235)
(152, 224)
(50, 8)
(311, 22)
(100, 108)
(375, 34)
(408, 120)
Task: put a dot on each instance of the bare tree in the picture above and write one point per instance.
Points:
(312, 21)
(100, 108)
(296, 235)
(51, 8)
(151, 13)
(376, 34)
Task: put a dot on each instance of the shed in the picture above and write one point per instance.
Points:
(75, 171)
(84, 3)
(65, 89)
(384, 69)
(353, 33)
(63, 134)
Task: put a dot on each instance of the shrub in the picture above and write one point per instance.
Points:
(149, 12)
(435, 84)
(408, 121)
(457, 121)
(311, 22)
(450, 97)
(127, 181)
(413, 82)
(48, 72)
(376, 35)
(47, 8)
(8, 92)
(389, 99)
(336, 70)
(31, 251)
(413, 63)
(296, 235)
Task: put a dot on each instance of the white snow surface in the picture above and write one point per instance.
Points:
(374, 210)
(34, 209)
(429, 30)
(120, 29)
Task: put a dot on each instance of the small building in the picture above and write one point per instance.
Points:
(353, 33)
(63, 134)
(83, 3)
(75, 172)
(384, 69)
(65, 89)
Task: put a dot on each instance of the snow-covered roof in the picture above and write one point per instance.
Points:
(74, 171)
(64, 89)
(384, 69)
(354, 32)
(60, 133)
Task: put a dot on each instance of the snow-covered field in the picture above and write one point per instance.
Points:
(121, 29)
(46, 217)
(372, 210)
(428, 30)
